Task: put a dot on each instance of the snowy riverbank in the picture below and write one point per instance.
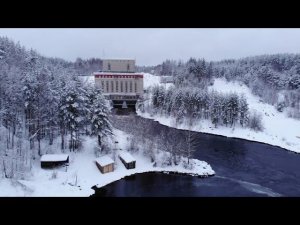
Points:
(82, 174)
(279, 130)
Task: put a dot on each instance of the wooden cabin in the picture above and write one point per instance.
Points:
(54, 160)
(127, 160)
(105, 164)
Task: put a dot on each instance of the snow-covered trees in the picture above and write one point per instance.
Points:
(40, 99)
(190, 144)
(243, 110)
(265, 75)
(192, 104)
(100, 123)
(86, 67)
(255, 121)
(158, 96)
(146, 137)
(71, 114)
(83, 108)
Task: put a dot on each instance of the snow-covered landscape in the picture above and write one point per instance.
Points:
(274, 122)
(82, 174)
(75, 126)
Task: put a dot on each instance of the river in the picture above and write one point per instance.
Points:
(243, 168)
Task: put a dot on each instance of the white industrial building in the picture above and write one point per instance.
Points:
(119, 82)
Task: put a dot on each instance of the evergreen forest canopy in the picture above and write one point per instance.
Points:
(274, 78)
(43, 99)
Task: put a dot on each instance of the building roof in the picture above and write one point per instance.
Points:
(54, 157)
(104, 160)
(119, 59)
(127, 157)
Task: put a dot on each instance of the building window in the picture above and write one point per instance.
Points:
(102, 82)
(121, 85)
(112, 86)
(135, 87)
(117, 86)
(107, 86)
(109, 66)
(128, 67)
(130, 87)
(126, 87)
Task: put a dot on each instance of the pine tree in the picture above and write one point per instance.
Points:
(100, 123)
(243, 110)
(71, 114)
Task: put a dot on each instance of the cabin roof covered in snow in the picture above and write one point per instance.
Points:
(104, 160)
(127, 157)
(54, 157)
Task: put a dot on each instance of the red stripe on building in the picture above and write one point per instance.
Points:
(118, 76)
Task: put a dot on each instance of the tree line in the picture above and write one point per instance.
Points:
(194, 104)
(163, 145)
(274, 78)
(41, 100)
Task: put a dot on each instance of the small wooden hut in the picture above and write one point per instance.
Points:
(127, 159)
(105, 164)
(53, 160)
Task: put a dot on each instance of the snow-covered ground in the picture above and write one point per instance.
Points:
(151, 80)
(279, 130)
(82, 174)
(87, 80)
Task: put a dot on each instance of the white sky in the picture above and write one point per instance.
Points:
(152, 46)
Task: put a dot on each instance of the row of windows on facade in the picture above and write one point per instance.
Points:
(123, 97)
(116, 84)
(128, 67)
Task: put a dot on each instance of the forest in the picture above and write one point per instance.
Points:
(43, 101)
(274, 78)
(195, 104)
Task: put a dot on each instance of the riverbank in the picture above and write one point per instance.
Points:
(82, 174)
(241, 133)
(279, 130)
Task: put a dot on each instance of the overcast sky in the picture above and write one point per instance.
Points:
(152, 46)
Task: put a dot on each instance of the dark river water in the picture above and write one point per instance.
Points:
(243, 168)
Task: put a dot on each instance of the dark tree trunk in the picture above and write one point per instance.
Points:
(39, 146)
(39, 137)
(8, 137)
(62, 139)
(99, 140)
(51, 136)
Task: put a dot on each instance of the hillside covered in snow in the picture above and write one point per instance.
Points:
(278, 128)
